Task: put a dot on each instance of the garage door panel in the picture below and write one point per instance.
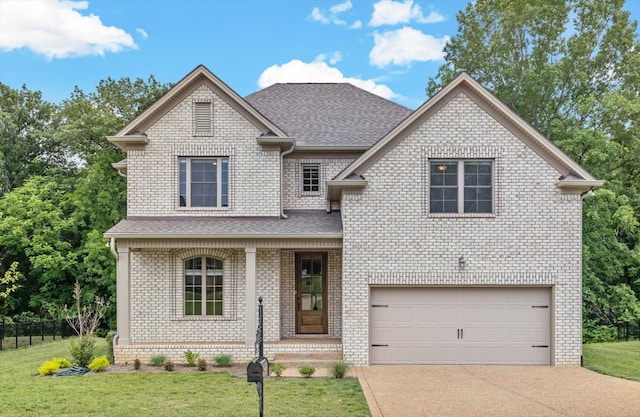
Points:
(461, 325)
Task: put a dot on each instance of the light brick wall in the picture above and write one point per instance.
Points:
(534, 238)
(254, 178)
(294, 198)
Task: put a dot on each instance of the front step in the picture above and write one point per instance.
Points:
(315, 359)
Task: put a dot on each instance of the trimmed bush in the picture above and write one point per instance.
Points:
(158, 360)
(169, 366)
(338, 369)
(137, 364)
(202, 364)
(223, 360)
(306, 371)
(62, 362)
(278, 368)
(49, 368)
(99, 364)
(82, 350)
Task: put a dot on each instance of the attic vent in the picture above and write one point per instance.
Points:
(202, 118)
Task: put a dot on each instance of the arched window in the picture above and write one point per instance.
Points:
(203, 283)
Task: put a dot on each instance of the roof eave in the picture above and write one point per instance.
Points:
(335, 188)
(116, 235)
(283, 143)
(127, 142)
(575, 186)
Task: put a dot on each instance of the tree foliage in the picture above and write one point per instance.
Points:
(59, 192)
(570, 68)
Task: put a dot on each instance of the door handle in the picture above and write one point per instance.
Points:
(461, 333)
(458, 333)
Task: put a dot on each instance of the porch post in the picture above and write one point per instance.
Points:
(123, 297)
(250, 268)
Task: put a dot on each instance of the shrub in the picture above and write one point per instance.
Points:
(62, 362)
(278, 368)
(136, 364)
(168, 365)
(191, 357)
(49, 368)
(592, 333)
(99, 364)
(109, 339)
(307, 370)
(338, 369)
(158, 360)
(223, 360)
(82, 350)
(202, 364)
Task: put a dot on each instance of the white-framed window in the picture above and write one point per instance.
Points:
(310, 178)
(202, 118)
(461, 186)
(203, 286)
(204, 182)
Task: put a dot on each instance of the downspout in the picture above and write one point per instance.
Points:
(112, 246)
(282, 155)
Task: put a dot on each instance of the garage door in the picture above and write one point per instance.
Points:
(460, 325)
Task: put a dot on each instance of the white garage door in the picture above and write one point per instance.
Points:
(460, 325)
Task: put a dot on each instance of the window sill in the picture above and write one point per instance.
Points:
(462, 215)
(203, 318)
(200, 209)
(310, 194)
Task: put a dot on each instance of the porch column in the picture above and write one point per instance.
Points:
(123, 297)
(250, 268)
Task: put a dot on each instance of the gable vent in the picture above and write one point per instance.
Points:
(202, 120)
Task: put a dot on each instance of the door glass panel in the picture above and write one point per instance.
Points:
(311, 283)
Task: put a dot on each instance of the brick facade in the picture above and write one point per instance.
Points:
(534, 238)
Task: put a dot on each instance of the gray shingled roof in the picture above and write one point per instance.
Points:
(302, 223)
(321, 114)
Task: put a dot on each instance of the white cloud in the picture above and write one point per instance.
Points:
(356, 25)
(333, 15)
(317, 15)
(143, 33)
(55, 29)
(390, 12)
(403, 46)
(296, 71)
(342, 7)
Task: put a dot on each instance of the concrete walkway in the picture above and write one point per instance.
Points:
(496, 391)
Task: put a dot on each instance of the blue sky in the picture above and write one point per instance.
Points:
(385, 46)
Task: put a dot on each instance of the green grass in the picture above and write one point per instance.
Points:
(162, 394)
(620, 359)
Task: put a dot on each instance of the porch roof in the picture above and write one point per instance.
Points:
(299, 224)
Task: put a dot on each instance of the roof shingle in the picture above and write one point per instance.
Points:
(324, 114)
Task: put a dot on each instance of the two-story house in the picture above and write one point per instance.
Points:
(448, 234)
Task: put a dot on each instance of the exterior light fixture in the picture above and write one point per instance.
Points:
(442, 167)
(461, 263)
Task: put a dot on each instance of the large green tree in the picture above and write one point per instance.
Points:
(52, 218)
(570, 68)
(27, 145)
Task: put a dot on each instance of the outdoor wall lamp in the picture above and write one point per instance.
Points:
(461, 263)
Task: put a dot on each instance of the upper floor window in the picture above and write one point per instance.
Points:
(203, 285)
(310, 178)
(204, 182)
(461, 186)
(202, 118)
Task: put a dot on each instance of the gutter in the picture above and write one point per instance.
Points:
(169, 235)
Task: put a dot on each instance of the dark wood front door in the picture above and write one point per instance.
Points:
(311, 292)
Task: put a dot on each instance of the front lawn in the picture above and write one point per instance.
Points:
(162, 394)
(620, 359)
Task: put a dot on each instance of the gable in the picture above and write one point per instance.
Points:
(572, 176)
(197, 79)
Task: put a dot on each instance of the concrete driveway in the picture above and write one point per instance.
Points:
(496, 391)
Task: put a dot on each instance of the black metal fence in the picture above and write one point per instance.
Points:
(629, 331)
(15, 334)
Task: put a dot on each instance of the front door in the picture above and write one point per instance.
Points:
(311, 292)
